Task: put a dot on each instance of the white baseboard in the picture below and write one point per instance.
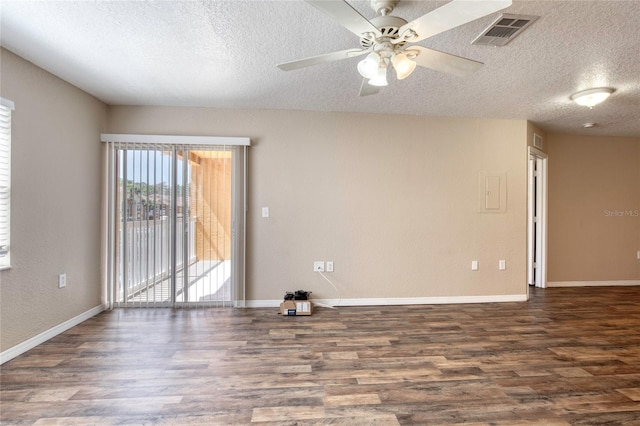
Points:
(398, 301)
(23, 347)
(592, 283)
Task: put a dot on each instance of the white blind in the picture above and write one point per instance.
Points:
(5, 182)
(176, 230)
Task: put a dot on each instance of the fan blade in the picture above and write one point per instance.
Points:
(366, 89)
(346, 15)
(451, 15)
(444, 62)
(321, 59)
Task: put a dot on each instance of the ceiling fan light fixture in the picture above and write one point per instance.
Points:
(403, 65)
(380, 79)
(591, 97)
(369, 66)
(385, 35)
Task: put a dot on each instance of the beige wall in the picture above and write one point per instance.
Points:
(55, 201)
(392, 200)
(590, 177)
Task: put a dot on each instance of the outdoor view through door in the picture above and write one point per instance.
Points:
(173, 237)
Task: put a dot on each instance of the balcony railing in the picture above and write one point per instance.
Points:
(146, 260)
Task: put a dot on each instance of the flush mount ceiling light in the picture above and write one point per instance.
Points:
(591, 97)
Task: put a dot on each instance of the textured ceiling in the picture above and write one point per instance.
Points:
(224, 54)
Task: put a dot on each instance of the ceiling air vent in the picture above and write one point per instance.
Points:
(504, 29)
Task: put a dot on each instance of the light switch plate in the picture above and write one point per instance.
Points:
(62, 280)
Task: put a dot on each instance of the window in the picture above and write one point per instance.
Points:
(5, 182)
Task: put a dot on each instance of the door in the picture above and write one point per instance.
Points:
(175, 226)
(537, 219)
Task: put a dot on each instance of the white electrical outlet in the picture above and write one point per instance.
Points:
(330, 266)
(502, 265)
(62, 280)
(474, 265)
(318, 266)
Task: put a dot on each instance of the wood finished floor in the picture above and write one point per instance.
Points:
(566, 357)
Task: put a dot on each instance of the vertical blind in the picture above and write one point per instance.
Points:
(5, 182)
(174, 234)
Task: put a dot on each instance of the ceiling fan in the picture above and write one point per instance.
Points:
(387, 39)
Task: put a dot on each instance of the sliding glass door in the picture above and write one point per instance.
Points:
(174, 225)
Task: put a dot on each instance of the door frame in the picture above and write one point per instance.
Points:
(239, 145)
(537, 199)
